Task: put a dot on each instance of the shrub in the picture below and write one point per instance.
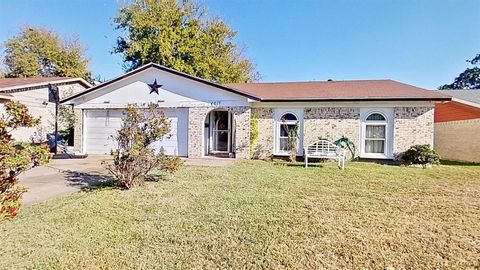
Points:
(171, 165)
(133, 158)
(16, 157)
(421, 154)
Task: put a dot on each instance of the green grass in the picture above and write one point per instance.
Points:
(260, 215)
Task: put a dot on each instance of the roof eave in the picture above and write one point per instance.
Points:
(46, 83)
(356, 99)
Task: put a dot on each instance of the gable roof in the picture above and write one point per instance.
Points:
(25, 84)
(355, 90)
(464, 96)
(160, 67)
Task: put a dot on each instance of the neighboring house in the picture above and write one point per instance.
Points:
(34, 93)
(382, 117)
(457, 126)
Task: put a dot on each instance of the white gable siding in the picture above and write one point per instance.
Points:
(176, 91)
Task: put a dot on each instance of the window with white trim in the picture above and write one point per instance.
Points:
(288, 124)
(375, 134)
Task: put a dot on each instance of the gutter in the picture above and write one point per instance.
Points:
(356, 99)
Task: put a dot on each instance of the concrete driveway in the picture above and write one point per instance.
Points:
(62, 176)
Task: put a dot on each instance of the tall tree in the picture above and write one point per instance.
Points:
(179, 35)
(40, 52)
(469, 79)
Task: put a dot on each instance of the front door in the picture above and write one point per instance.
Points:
(221, 131)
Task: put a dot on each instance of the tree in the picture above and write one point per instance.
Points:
(15, 157)
(469, 79)
(133, 157)
(39, 52)
(178, 35)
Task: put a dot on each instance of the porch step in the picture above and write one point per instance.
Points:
(220, 155)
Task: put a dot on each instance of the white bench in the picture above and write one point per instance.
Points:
(325, 149)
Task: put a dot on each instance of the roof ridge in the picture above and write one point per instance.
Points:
(332, 81)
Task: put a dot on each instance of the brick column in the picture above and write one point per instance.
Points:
(242, 131)
(196, 120)
(263, 148)
(78, 131)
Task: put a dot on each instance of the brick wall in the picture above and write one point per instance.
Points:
(412, 125)
(196, 120)
(458, 140)
(331, 123)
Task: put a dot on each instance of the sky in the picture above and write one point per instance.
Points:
(421, 42)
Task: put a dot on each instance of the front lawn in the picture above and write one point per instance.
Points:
(260, 215)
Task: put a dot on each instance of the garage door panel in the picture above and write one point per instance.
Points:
(101, 125)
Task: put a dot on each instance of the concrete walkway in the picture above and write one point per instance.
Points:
(64, 176)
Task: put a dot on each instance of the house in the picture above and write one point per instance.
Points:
(34, 93)
(457, 126)
(382, 117)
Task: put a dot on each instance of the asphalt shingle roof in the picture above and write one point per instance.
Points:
(337, 90)
(467, 95)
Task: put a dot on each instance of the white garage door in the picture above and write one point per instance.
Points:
(100, 126)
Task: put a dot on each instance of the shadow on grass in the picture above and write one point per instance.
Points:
(88, 181)
(458, 163)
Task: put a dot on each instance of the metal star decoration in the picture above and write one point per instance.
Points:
(154, 87)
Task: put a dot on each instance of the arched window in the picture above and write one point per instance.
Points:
(288, 127)
(375, 134)
(289, 117)
(376, 117)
